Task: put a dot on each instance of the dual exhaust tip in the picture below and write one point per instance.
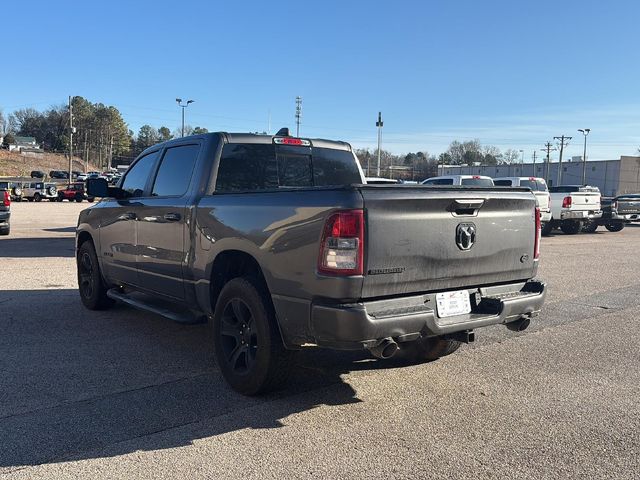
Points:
(388, 347)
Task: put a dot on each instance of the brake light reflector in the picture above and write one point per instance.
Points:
(536, 243)
(566, 202)
(342, 244)
(6, 200)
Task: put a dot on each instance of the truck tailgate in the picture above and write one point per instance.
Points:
(628, 205)
(585, 201)
(417, 238)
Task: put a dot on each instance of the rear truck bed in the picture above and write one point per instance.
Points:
(436, 261)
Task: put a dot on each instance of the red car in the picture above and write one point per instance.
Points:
(75, 191)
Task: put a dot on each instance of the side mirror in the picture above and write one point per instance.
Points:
(97, 187)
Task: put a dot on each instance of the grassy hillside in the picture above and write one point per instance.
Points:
(14, 164)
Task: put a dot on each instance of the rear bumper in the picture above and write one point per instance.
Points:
(4, 217)
(545, 216)
(359, 325)
(580, 214)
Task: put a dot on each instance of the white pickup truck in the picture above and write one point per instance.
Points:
(571, 207)
(539, 188)
(460, 180)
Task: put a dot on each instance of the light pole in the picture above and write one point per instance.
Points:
(522, 158)
(585, 132)
(179, 102)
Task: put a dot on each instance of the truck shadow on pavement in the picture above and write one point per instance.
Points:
(78, 385)
(37, 247)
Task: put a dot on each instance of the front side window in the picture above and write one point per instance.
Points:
(137, 176)
(176, 169)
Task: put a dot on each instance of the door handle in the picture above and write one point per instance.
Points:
(127, 216)
(172, 217)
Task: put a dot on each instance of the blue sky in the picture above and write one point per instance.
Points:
(511, 73)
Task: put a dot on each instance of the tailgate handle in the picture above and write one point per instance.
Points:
(466, 206)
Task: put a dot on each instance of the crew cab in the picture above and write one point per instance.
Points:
(278, 242)
(37, 191)
(539, 188)
(5, 212)
(460, 180)
(74, 192)
(616, 213)
(571, 207)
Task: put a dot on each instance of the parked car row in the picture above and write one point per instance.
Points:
(39, 191)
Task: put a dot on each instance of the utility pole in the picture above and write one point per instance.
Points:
(548, 148)
(379, 124)
(70, 140)
(585, 132)
(534, 164)
(298, 114)
(562, 139)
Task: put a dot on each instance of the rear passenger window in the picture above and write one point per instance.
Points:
(176, 169)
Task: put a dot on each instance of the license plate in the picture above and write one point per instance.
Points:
(450, 304)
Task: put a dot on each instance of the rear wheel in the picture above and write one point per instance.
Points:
(248, 347)
(37, 197)
(547, 227)
(426, 349)
(590, 227)
(78, 198)
(571, 227)
(93, 291)
(614, 227)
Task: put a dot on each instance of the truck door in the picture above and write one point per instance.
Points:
(118, 227)
(162, 223)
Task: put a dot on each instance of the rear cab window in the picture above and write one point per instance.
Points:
(503, 183)
(259, 167)
(477, 182)
(534, 184)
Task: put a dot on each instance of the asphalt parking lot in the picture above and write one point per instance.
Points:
(125, 394)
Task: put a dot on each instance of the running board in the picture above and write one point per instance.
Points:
(148, 303)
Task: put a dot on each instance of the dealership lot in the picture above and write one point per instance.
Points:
(126, 394)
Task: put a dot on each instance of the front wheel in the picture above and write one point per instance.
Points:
(614, 227)
(426, 349)
(93, 291)
(248, 347)
(571, 227)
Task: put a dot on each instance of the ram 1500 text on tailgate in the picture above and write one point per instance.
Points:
(278, 242)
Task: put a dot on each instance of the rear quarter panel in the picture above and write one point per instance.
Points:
(282, 231)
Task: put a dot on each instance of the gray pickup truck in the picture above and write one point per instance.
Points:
(279, 243)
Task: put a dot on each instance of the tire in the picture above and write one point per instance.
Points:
(5, 230)
(17, 191)
(427, 349)
(93, 291)
(78, 198)
(90, 199)
(37, 197)
(614, 227)
(590, 227)
(570, 227)
(247, 342)
(53, 199)
(547, 228)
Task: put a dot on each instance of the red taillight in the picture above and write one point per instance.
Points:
(536, 244)
(566, 202)
(6, 201)
(476, 177)
(342, 244)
